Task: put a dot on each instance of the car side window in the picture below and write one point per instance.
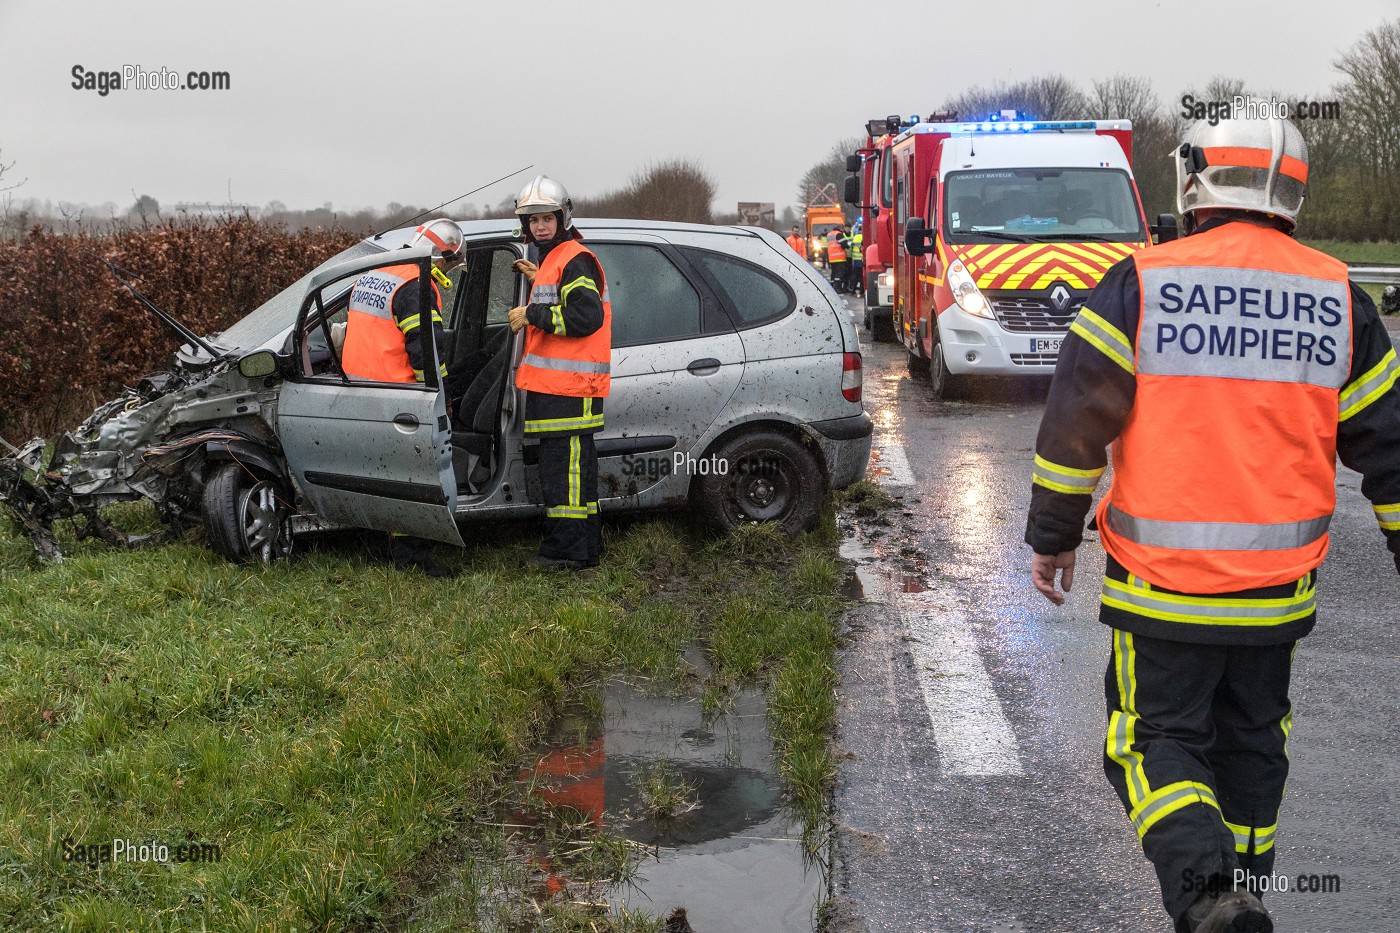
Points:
(754, 295)
(500, 296)
(651, 300)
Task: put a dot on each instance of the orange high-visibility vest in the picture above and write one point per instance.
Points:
(1224, 474)
(563, 365)
(798, 244)
(835, 249)
(374, 344)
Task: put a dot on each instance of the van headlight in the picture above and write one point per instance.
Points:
(885, 279)
(965, 291)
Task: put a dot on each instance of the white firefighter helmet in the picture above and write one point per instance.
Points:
(1246, 165)
(443, 235)
(544, 195)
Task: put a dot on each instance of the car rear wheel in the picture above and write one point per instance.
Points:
(247, 518)
(769, 477)
(945, 385)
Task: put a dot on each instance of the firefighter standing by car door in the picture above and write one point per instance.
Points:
(1228, 370)
(836, 256)
(564, 371)
(383, 343)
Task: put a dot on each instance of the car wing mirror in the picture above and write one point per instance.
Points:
(260, 363)
(918, 239)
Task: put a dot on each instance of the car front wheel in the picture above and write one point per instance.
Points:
(247, 518)
(768, 477)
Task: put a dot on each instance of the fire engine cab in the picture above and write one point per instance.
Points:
(1007, 225)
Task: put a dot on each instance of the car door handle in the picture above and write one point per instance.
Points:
(704, 367)
(407, 420)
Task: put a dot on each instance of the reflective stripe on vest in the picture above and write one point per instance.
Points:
(374, 346)
(1216, 536)
(1225, 471)
(564, 366)
(559, 364)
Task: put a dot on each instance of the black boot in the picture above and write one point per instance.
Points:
(410, 553)
(1229, 912)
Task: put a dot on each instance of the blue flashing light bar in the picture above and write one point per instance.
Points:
(1028, 126)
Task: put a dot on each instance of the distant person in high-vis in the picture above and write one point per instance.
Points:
(564, 372)
(836, 241)
(797, 242)
(384, 342)
(1228, 370)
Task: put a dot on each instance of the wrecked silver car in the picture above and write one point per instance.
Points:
(736, 392)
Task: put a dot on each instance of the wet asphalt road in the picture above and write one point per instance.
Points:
(971, 795)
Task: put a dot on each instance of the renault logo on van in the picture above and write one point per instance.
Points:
(1059, 296)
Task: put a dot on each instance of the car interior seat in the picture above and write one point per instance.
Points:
(476, 415)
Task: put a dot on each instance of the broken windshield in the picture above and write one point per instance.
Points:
(279, 312)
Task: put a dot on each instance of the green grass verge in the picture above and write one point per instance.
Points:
(1379, 252)
(329, 722)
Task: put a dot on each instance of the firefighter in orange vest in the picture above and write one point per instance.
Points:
(836, 256)
(564, 372)
(383, 342)
(1228, 370)
(796, 241)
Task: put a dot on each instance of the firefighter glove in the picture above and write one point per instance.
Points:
(516, 318)
(526, 268)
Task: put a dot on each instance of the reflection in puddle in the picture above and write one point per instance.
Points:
(701, 795)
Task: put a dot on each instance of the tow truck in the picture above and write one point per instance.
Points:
(1005, 225)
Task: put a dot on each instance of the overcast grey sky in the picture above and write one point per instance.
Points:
(362, 103)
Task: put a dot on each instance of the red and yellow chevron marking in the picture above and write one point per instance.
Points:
(1039, 265)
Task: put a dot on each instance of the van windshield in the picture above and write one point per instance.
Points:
(1038, 204)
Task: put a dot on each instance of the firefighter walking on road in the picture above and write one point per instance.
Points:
(564, 371)
(1228, 370)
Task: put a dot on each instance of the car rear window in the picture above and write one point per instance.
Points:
(651, 300)
(755, 295)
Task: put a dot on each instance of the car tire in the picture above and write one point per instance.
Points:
(946, 386)
(247, 518)
(769, 478)
(881, 329)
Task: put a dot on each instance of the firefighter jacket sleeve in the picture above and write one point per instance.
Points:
(1368, 428)
(1089, 401)
(580, 308)
(406, 316)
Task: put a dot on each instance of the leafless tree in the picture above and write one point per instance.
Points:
(829, 171)
(1047, 97)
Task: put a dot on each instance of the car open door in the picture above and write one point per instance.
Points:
(367, 454)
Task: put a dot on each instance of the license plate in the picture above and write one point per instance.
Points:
(1045, 344)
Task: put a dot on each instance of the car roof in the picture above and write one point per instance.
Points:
(393, 239)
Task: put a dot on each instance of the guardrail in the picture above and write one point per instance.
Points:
(1374, 274)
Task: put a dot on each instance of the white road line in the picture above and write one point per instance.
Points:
(893, 459)
(969, 727)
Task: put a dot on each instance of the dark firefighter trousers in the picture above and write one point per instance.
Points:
(569, 484)
(1196, 750)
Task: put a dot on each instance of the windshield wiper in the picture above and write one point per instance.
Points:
(1077, 237)
(126, 277)
(1014, 237)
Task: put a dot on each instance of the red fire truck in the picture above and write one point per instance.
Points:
(872, 175)
(1004, 227)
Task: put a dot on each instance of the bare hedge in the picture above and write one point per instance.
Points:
(72, 335)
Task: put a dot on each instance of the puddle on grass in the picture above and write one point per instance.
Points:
(701, 797)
